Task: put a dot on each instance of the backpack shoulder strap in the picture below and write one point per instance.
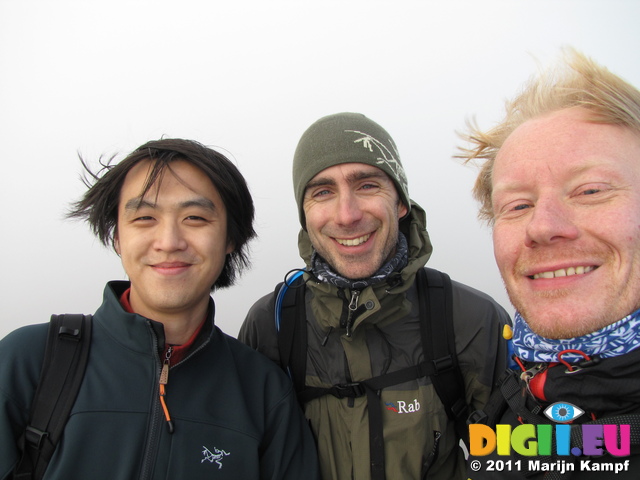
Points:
(438, 341)
(291, 326)
(65, 360)
(501, 398)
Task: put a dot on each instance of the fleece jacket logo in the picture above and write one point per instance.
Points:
(216, 456)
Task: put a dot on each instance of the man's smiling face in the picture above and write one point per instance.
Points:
(566, 203)
(172, 241)
(352, 216)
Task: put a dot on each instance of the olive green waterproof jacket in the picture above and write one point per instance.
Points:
(385, 338)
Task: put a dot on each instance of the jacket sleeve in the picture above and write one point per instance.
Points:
(258, 329)
(288, 448)
(11, 421)
(22, 353)
(482, 350)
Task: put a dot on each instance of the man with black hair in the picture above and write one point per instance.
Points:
(165, 394)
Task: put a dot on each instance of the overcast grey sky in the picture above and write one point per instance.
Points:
(102, 77)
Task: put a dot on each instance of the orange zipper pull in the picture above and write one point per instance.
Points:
(164, 379)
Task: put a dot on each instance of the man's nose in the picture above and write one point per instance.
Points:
(348, 210)
(169, 237)
(551, 221)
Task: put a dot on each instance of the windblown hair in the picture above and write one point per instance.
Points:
(577, 81)
(99, 205)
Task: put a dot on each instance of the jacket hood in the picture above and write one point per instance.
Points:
(413, 226)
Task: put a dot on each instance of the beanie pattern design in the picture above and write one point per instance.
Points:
(389, 158)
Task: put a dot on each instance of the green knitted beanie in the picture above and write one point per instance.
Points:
(345, 138)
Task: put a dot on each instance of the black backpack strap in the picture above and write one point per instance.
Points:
(358, 389)
(505, 387)
(438, 342)
(65, 360)
(291, 326)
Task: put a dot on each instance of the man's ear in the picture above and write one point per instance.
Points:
(116, 244)
(402, 210)
(230, 247)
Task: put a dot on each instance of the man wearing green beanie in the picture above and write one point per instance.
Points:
(387, 357)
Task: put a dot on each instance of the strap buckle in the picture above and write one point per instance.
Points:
(479, 416)
(348, 390)
(35, 437)
(69, 333)
(443, 364)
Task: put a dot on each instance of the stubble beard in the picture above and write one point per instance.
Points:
(345, 265)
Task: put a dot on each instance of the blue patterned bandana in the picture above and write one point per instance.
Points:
(611, 341)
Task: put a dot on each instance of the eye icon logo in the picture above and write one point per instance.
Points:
(563, 412)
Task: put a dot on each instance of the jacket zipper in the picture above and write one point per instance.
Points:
(353, 306)
(149, 457)
(151, 448)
